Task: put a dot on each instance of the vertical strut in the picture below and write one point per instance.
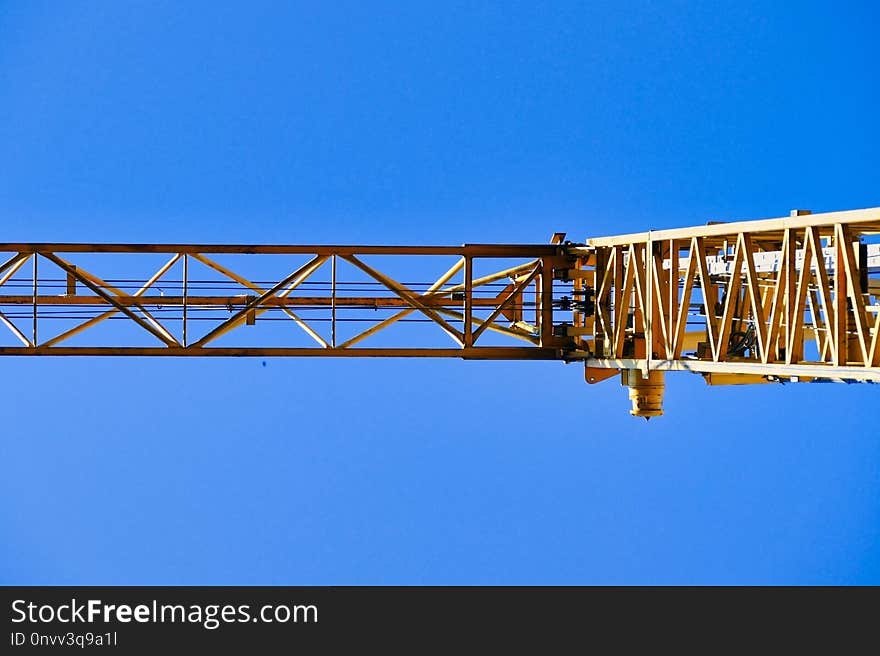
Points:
(468, 300)
(333, 301)
(185, 292)
(649, 302)
(34, 338)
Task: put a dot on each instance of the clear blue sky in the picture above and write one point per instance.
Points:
(410, 123)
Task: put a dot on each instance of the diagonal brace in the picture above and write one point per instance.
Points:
(407, 295)
(118, 292)
(432, 291)
(236, 319)
(109, 313)
(315, 263)
(109, 299)
(522, 285)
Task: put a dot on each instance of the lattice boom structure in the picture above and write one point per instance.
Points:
(515, 301)
(791, 299)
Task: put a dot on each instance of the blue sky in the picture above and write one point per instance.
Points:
(427, 123)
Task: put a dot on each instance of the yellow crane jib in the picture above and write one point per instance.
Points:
(791, 299)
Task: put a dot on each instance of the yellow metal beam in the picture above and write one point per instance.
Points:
(474, 353)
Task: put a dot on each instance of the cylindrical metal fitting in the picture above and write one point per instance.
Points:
(646, 394)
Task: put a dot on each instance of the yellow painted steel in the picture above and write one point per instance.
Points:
(701, 299)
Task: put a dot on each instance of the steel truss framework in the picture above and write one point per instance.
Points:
(789, 299)
(706, 300)
(464, 311)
